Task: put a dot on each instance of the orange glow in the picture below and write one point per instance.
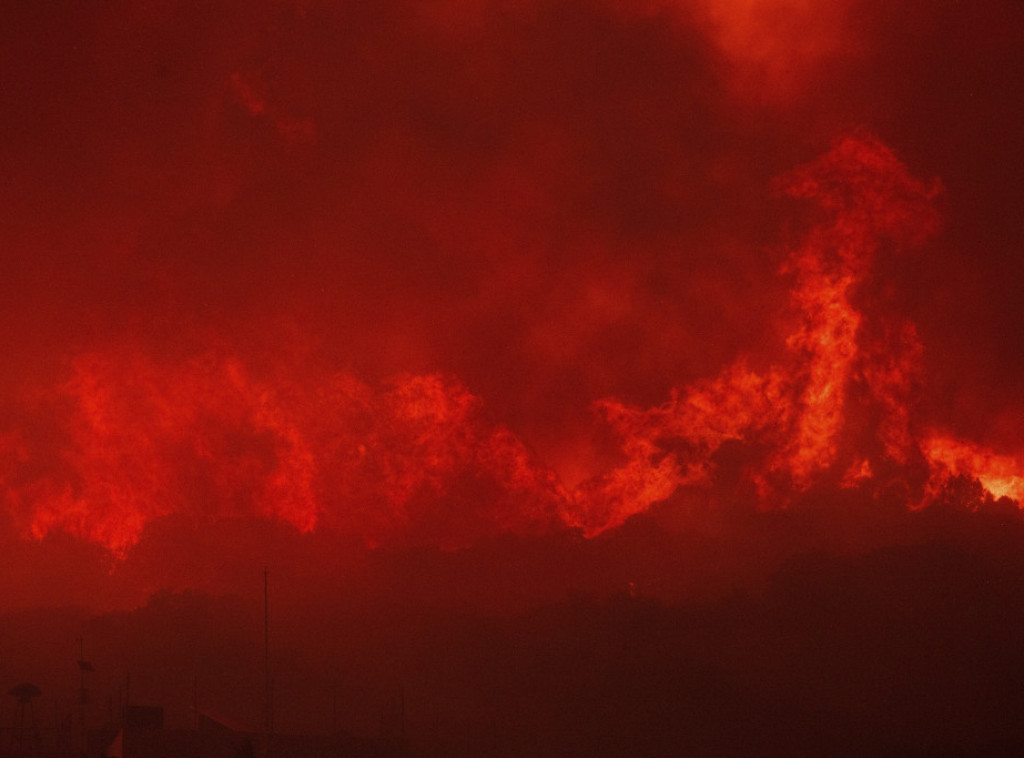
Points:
(414, 459)
(147, 440)
(859, 473)
(1000, 475)
(777, 48)
(462, 377)
(797, 408)
(207, 438)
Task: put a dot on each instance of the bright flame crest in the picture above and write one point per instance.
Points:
(133, 439)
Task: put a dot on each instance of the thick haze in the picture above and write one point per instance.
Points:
(489, 327)
(236, 237)
(504, 212)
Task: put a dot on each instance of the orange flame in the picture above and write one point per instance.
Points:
(799, 406)
(999, 475)
(140, 439)
(206, 438)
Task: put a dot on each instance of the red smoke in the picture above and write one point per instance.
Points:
(416, 458)
(612, 376)
(776, 49)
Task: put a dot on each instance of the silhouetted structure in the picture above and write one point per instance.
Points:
(25, 738)
(84, 667)
(222, 742)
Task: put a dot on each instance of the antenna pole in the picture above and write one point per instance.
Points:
(266, 658)
(83, 737)
(125, 726)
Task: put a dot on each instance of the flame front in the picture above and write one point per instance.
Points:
(797, 408)
(136, 438)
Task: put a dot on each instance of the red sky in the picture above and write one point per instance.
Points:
(479, 304)
(242, 241)
(238, 237)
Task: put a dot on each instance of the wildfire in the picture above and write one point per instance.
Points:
(139, 439)
(798, 408)
(999, 475)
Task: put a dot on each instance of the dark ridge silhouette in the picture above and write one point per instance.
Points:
(842, 632)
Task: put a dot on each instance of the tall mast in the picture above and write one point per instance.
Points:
(266, 655)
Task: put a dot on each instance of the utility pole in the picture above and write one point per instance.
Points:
(84, 667)
(268, 719)
(125, 726)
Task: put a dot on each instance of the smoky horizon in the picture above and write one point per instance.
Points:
(571, 367)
